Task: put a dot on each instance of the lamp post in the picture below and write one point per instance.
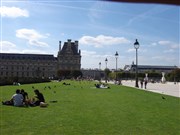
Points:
(116, 56)
(106, 60)
(136, 46)
(99, 65)
(100, 70)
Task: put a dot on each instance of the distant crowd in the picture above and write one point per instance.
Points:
(20, 98)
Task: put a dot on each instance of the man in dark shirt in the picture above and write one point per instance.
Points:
(39, 96)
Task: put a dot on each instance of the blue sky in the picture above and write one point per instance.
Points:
(101, 27)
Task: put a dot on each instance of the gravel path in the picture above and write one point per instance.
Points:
(168, 88)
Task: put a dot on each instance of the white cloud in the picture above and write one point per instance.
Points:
(169, 51)
(154, 44)
(143, 50)
(47, 34)
(175, 46)
(13, 12)
(102, 40)
(62, 34)
(37, 43)
(87, 53)
(92, 59)
(28, 34)
(130, 50)
(133, 50)
(33, 52)
(32, 36)
(164, 42)
(7, 44)
(169, 43)
(9, 47)
(163, 58)
(24, 51)
(94, 54)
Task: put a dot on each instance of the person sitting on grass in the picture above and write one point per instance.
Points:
(39, 98)
(16, 100)
(25, 96)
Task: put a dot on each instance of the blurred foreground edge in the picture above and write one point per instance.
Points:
(172, 2)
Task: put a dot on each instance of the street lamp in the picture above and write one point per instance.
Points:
(99, 65)
(100, 70)
(106, 60)
(136, 46)
(116, 56)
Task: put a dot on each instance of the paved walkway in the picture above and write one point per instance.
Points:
(168, 88)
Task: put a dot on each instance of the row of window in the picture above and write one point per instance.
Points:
(69, 60)
(26, 68)
(69, 67)
(27, 64)
(27, 57)
(24, 74)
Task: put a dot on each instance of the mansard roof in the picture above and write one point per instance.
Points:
(73, 48)
(18, 56)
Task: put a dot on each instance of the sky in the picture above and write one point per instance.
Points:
(101, 27)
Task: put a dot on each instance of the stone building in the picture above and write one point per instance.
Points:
(40, 65)
(69, 58)
(147, 68)
(27, 65)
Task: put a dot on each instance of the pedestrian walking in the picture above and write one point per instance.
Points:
(141, 83)
(145, 83)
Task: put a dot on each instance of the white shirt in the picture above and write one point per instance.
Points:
(18, 99)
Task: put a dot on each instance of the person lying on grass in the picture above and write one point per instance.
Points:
(102, 85)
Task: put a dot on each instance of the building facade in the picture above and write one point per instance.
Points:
(147, 68)
(69, 58)
(41, 65)
(27, 65)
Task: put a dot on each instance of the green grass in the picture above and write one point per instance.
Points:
(84, 110)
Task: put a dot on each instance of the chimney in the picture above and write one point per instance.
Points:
(59, 45)
(69, 40)
(76, 45)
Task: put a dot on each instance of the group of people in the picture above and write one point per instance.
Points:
(20, 98)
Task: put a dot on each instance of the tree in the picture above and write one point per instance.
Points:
(76, 73)
(68, 73)
(174, 75)
(107, 71)
(63, 73)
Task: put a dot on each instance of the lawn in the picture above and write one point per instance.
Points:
(82, 109)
